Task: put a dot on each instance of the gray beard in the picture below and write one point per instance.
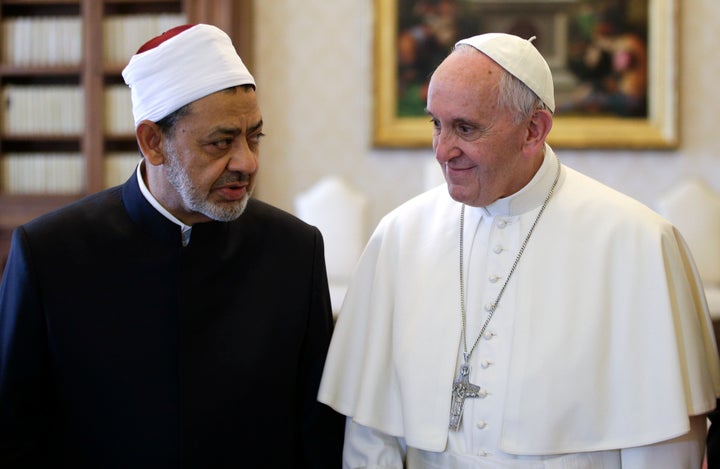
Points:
(198, 202)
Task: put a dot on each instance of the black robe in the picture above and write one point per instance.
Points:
(121, 348)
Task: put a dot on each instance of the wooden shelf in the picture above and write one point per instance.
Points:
(41, 2)
(20, 208)
(124, 7)
(27, 72)
(40, 143)
(50, 8)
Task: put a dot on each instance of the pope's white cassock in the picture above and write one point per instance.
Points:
(601, 341)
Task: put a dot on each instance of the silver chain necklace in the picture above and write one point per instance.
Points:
(462, 388)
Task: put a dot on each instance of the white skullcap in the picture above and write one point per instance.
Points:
(521, 59)
(180, 66)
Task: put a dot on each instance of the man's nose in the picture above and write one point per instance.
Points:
(243, 159)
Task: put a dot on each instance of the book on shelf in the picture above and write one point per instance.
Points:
(42, 41)
(42, 173)
(43, 110)
(54, 107)
(58, 40)
(58, 110)
(124, 34)
(118, 111)
(119, 166)
(59, 173)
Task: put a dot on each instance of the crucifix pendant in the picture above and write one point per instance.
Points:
(462, 389)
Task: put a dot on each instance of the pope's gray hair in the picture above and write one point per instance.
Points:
(517, 97)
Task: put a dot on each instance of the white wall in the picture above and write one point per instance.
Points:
(314, 70)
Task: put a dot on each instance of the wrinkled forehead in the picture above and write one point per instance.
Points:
(467, 71)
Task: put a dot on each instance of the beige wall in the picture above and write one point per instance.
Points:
(314, 69)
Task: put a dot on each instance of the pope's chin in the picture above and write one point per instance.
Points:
(463, 194)
(456, 191)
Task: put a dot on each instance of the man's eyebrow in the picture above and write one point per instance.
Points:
(236, 130)
(256, 127)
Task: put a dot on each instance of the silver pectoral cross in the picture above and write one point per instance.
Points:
(462, 389)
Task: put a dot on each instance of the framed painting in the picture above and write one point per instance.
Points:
(614, 65)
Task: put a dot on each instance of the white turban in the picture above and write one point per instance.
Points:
(180, 66)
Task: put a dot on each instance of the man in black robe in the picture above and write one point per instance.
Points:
(171, 321)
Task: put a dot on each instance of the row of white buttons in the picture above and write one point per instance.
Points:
(485, 364)
(493, 278)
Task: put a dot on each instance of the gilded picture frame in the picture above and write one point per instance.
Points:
(565, 38)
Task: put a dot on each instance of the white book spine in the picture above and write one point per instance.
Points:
(119, 166)
(43, 110)
(118, 111)
(124, 34)
(42, 41)
(42, 173)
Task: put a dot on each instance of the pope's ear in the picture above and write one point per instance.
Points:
(150, 138)
(538, 129)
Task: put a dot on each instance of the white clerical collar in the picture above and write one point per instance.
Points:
(185, 230)
(532, 195)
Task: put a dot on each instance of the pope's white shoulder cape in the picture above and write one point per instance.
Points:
(612, 346)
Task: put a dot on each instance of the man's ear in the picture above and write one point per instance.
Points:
(150, 139)
(537, 130)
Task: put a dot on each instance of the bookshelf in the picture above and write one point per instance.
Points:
(65, 120)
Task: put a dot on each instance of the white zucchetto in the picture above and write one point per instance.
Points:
(521, 59)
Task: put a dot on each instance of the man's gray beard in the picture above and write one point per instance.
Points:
(198, 202)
